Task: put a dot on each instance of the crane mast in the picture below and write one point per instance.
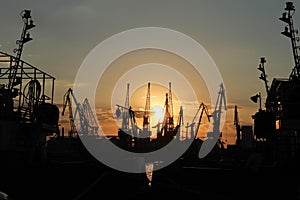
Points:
(192, 124)
(168, 123)
(237, 125)
(168, 120)
(125, 113)
(90, 116)
(129, 125)
(221, 101)
(146, 118)
(194, 131)
(170, 101)
(214, 137)
(203, 109)
(180, 121)
(132, 126)
(84, 125)
(67, 102)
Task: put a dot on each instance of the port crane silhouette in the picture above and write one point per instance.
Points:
(129, 129)
(237, 125)
(168, 120)
(193, 131)
(67, 102)
(214, 136)
(146, 132)
(123, 112)
(90, 116)
(87, 120)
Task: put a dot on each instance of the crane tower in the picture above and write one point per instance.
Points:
(146, 118)
(214, 136)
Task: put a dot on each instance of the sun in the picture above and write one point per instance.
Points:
(157, 113)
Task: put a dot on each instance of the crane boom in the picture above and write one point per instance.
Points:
(203, 109)
(90, 116)
(84, 125)
(214, 136)
(221, 101)
(67, 102)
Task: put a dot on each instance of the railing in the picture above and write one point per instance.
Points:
(25, 73)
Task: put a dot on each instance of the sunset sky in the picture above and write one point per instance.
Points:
(235, 33)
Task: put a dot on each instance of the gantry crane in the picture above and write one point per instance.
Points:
(127, 114)
(167, 124)
(217, 113)
(84, 126)
(129, 129)
(220, 106)
(168, 131)
(146, 132)
(90, 117)
(190, 126)
(167, 128)
(171, 120)
(67, 102)
(215, 136)
(179, 122)
(123, 111)
(194, 131)
(203, 108)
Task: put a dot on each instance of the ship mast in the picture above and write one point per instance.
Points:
(25, 37)
(263, 75)
(290, 32)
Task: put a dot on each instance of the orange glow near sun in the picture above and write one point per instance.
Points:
(157, 102)
(158, 112)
